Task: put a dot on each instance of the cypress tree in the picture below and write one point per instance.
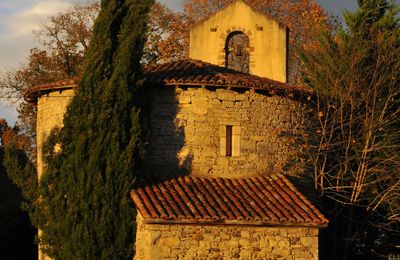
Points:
(85, 211)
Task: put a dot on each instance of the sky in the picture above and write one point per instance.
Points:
(20, 18)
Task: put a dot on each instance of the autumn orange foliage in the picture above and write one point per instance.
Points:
(166, 38)
(12, 136)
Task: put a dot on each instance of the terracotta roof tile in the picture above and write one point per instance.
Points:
(189, 72)
(256, 201)
(31, 94)
(195, 72)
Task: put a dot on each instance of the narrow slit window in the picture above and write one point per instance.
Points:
(229, 133)
(230, 140)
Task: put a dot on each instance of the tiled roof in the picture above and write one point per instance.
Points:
(33, 93)
(195, 72)
(248, 201)
(189, 72)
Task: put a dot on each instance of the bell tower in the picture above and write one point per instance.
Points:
(240, 38)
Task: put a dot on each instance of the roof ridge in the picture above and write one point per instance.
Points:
(261, 200)
(273, 176)
(251, 7)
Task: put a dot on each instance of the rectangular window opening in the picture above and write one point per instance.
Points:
(229, 134)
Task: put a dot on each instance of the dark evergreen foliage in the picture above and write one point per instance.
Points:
(85, 208)
(17, 235)
(22, 172)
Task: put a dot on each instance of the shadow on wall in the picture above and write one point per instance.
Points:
(299, 169)
(164, 155)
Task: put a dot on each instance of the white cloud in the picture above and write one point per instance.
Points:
(18, 18)
(25, 21)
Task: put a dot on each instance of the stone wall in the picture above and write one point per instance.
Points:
(162, 241)
(50, 114)
(188, 130)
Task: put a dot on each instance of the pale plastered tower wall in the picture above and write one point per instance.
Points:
(268, 40)
(50, 114)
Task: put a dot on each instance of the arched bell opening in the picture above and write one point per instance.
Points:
(237, 52)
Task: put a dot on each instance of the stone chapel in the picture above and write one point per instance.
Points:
(220, 155)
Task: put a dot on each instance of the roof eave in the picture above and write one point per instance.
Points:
(32, 95)
(271, 90)
(234, 223)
